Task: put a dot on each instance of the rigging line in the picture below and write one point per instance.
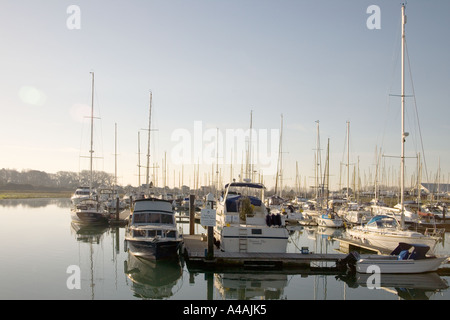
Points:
(417, 113)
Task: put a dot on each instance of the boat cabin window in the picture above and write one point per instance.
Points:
(171, 234)
(383, 223)
(148, 217)
(138, 233)
(154, 233)
(256, 231)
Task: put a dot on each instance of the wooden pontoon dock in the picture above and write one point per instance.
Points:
(195, 253)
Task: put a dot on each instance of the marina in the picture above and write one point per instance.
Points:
(225, 206)
(110, 272)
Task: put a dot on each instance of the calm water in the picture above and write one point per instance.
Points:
(39, 244)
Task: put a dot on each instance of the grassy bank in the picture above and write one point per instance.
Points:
(24, 194)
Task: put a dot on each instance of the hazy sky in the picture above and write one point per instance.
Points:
(209, 63)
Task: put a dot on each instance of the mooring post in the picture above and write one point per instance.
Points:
(117, 208)
(210, 205)
(191, 214)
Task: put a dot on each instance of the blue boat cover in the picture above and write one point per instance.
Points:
(419, 251)
(232, 203)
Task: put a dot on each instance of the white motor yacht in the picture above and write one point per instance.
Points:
(244, 224)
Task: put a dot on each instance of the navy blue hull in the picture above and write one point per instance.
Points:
(154, 250)
(88, 217)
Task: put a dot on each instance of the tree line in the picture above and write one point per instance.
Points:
(12, 179)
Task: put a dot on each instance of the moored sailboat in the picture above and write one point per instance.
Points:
(383, 230)
(90, 209)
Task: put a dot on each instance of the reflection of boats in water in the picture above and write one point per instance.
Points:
(153, 279)
(244, 286)
(407, 286)
(88, 233)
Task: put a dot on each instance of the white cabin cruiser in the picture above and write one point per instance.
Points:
(244, 224)
(152, 232)
(89, 211)
(81, 193)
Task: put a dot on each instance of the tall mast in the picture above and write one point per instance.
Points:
(139, 160)
(148, 143)
(281, 157)
(115, 156)
(402, 169)
(91, 151)
(248, 168)
(348, 158)
(318, 165)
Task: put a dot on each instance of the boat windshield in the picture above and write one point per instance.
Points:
(246, 189)
(382, 222)
(154, 233)
(152, 217)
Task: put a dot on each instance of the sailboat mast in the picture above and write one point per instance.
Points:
(281, 157)
(348, 158)
(248, 165)
(148, 143)
(115, 156)
(91, 151)
(402, 170)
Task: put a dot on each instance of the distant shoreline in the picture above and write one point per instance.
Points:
(32, 194)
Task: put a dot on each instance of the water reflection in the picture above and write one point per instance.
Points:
(246, 285)
(153, 279)
(406, 286)
(35, 203)
(90, 234)
(147, 279)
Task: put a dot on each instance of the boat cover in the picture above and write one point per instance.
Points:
(245, 184)
(232, 203)
(403, 249)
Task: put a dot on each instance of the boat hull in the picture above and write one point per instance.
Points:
(154, 250)
(393, 265)
(253, 239)
(87, 216)
(390, 240)
(330, 223)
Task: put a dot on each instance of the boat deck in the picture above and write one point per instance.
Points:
(348, 245)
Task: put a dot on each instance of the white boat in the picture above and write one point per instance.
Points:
(243, 223)
(81, 193)
(354, 214)
(385, 231)
(330, 220)
(90, 209)
(288, 213)
(406, 258)
(152, 232)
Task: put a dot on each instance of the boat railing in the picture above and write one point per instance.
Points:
(434, 232)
